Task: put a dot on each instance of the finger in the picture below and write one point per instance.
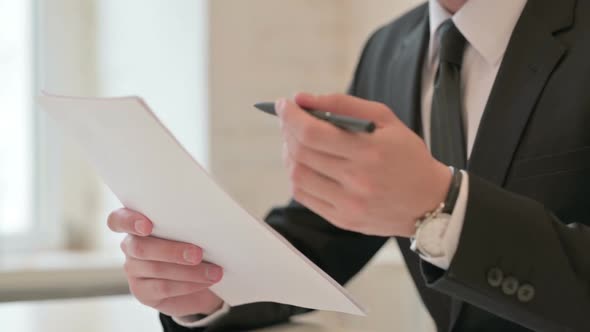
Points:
(325, 164)
(318, 134)
(205, 273)
(202, 302)
(328, 211)
(153, 291)
(308, 180)
(349, 106)
(160, 250)
(315, 204)
(128, 221)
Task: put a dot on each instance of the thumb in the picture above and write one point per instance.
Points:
(347, 105)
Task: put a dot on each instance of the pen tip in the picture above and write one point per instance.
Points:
(266, 107)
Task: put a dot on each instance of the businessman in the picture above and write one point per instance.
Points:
(479, 167)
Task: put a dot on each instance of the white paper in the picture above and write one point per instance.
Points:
(150, 172)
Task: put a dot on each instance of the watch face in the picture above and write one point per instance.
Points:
(429, 237)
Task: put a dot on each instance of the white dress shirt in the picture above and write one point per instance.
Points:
(487, 27)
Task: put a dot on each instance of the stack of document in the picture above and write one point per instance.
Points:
(150, 172)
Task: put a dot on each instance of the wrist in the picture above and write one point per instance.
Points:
(214, 308)
(435, 187)
(441, 184)
(202, 320)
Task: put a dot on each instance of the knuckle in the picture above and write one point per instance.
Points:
(382, 107)
(385, 114)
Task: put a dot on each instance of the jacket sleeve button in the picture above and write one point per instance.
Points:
(510, 286)
(525, 293)
(495, 277)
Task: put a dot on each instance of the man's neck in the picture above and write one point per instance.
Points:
(452, 6)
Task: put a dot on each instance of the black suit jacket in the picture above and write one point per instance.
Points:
(529, 183)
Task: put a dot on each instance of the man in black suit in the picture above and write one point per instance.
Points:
(501, 242)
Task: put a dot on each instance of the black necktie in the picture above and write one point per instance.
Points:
(447, 138)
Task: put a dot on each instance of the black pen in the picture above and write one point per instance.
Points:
(345, 122)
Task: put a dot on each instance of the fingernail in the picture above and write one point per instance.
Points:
(141, 227)
(190, 255)
(214, 273)
(280, 106)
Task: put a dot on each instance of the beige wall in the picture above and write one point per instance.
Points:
(265, 49)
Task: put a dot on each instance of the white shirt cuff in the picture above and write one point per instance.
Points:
(194, 321)
(450, 239)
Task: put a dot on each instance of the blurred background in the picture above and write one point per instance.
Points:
(200, 65)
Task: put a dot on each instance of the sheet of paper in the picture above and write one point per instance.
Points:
(150, 172)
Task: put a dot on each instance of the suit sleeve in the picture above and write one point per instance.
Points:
(339, 253)
(517, 260)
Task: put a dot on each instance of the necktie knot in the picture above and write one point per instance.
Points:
(452, 43)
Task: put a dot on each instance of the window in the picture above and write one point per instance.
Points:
(16, 118)
(53, 207)
(50, 197)
(30, 174)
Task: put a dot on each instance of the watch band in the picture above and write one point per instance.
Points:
(453, 192)
(430, 229)
(448, 205)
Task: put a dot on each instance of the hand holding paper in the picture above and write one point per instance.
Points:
(150, 172)
(166, 275)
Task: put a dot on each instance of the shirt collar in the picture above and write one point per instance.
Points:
(487, 25)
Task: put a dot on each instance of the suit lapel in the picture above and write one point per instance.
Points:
(531, 57)
(404, 73)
